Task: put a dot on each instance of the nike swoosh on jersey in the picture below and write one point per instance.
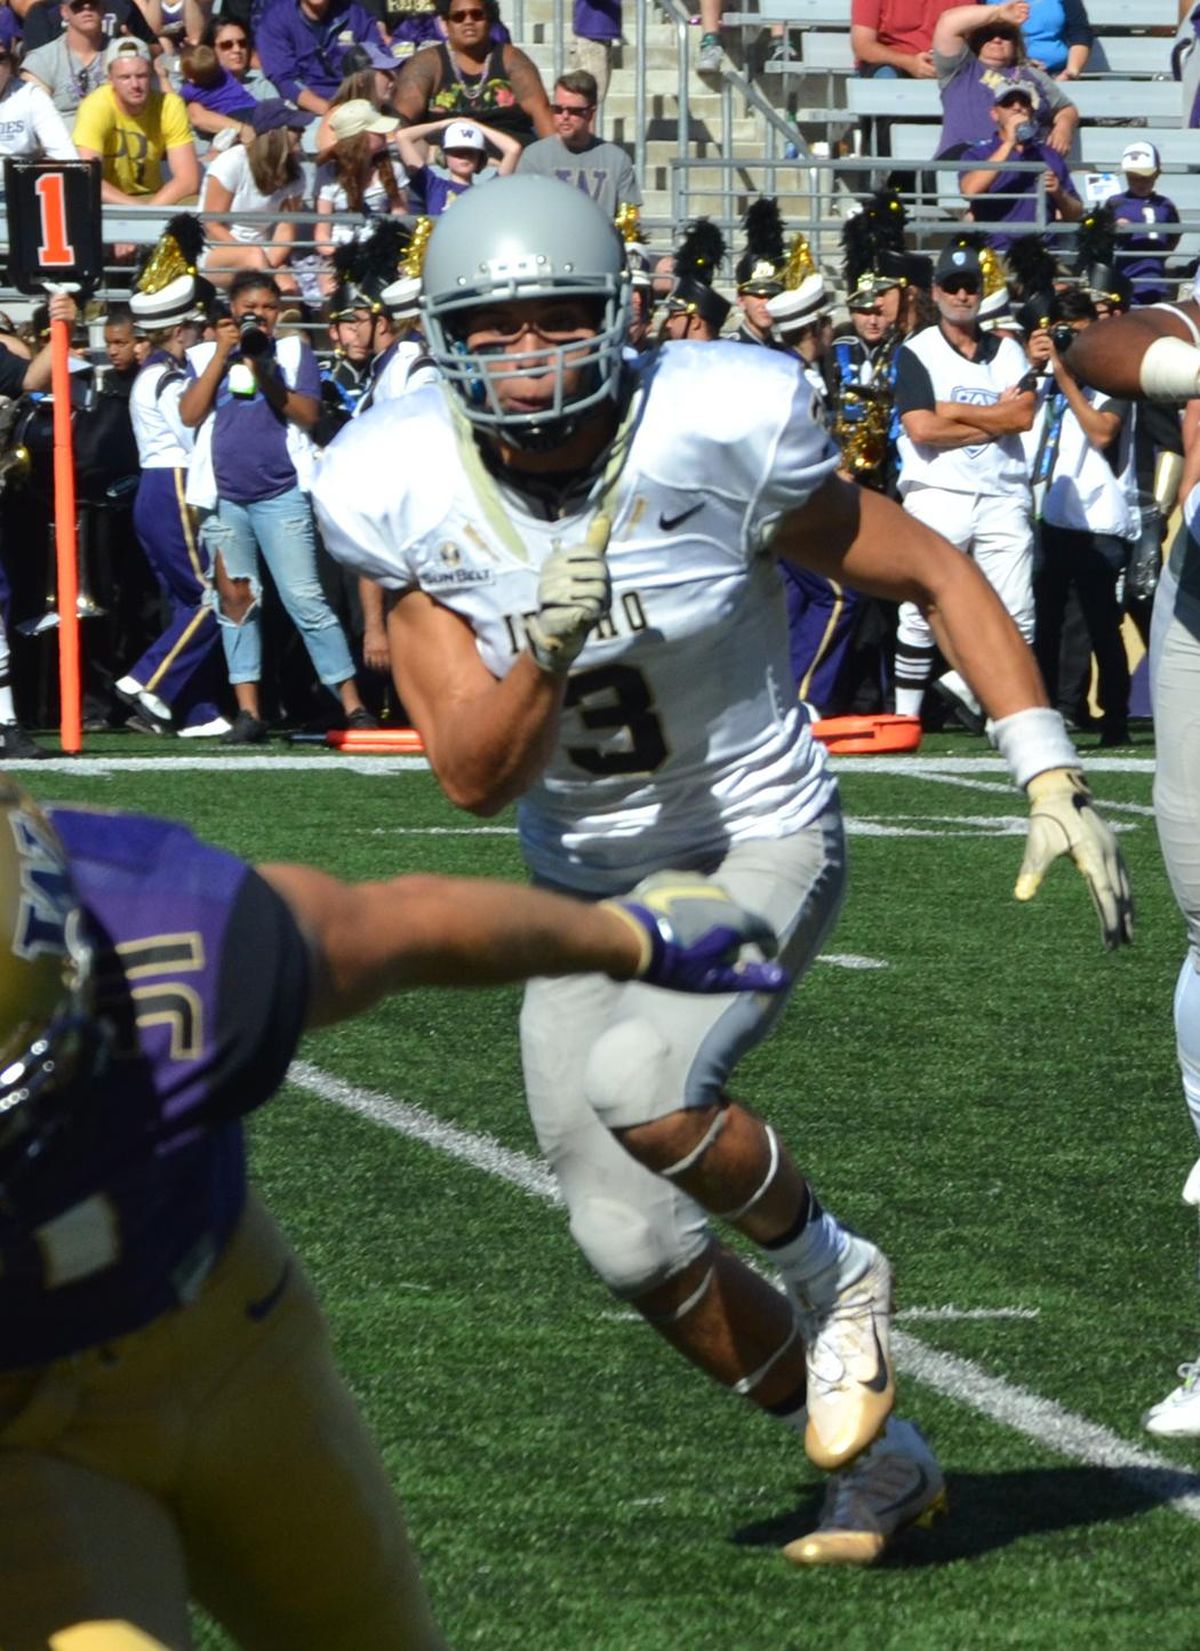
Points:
(879, 1380)
(668, 522)
(258, 1310)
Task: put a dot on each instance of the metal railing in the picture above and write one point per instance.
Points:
(817, 195)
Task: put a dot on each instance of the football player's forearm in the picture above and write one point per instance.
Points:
(489, 748)
(369, 940)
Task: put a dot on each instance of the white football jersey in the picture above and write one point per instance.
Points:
(164, 441)
(681, 732)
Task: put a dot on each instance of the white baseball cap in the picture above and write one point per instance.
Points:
(1141, 159)
(125, 45)
(462, 134)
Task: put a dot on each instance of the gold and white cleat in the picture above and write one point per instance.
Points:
(896, 1483)
(851, 1384)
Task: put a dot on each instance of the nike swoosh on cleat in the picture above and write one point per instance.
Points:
(256, 1311)
(667, 523)
(878, 1382)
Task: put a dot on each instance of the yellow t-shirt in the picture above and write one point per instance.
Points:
(131, 147)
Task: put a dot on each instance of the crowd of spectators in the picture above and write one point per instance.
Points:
(364, 112)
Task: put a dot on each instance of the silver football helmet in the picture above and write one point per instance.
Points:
(526, 237)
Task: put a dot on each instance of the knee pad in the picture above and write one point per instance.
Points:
(1187, 1033)
(630, 1250)
(625, 1077)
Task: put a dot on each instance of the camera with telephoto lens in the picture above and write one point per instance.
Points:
(1062, 336)
(253, 340)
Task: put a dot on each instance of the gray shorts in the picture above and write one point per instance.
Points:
(635, 1227)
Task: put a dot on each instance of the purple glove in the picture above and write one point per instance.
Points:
(693, 935)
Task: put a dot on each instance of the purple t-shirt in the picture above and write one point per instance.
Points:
(968, 91)
(227, 97)
(431, 187)
(1142, 254)
(250, 453)
(987, 211)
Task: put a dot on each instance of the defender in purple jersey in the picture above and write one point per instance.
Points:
(171, 1421)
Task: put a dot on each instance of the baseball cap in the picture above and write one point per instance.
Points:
(1018, 88)
(369, 54)
(125, 46)
(276, 112)
(1141, 159)
(462, 134)
(348, 120)
(957, 260)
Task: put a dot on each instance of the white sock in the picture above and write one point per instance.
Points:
(8, 711)
(908, 701)
(812, 1257)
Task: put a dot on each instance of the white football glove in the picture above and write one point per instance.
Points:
(1062, 820)
(574, 591)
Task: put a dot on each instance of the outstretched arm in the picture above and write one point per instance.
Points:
(864, 540)
(369, 940)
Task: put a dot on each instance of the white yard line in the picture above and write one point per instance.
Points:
(1043, 1421)
(233, 761)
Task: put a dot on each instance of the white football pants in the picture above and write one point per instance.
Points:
(1175, 687)
(996, 530)
(578, 1035)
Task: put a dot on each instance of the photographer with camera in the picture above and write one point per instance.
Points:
(1084, 495)
(253, 400)
(999, 197)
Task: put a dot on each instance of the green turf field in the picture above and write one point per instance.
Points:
(974, 1083)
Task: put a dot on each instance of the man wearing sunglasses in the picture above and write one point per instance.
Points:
(46, 21)
(963, 406)
(576, 155)
(472, 78)
(71, 63)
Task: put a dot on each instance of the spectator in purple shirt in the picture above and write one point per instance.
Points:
(1142, 251)
(301, 45)
(1000, 197)
(253, 400)
(978, 49)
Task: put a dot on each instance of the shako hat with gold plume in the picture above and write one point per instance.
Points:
(804, 295)
(167, 289)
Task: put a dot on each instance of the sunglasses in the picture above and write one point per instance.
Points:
(579, 110)
(233, 45)
(83, 5)
(473, 16)
(959, 283)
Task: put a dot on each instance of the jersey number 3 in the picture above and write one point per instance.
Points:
(616, 698)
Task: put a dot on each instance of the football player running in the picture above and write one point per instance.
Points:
(586, 617)
(1154, 352)
(171, 1420)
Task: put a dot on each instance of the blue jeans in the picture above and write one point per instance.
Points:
(282, 528)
